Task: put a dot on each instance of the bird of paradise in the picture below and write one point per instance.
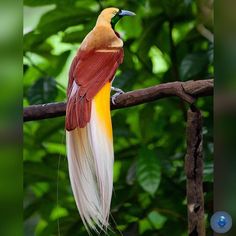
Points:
(88, 121)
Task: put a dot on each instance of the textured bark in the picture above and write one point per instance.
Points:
(187, 91)
(194, 173)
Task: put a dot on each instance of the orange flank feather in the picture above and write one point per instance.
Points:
(88, 121)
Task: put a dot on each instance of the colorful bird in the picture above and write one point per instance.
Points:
(88, 121)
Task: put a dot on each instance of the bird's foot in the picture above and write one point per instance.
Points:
(118, 92)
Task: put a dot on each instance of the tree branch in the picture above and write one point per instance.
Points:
(187, 91)
(194, 173)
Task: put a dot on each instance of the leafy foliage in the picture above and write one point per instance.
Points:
(44, 90)
(161, 45)
(148, 171)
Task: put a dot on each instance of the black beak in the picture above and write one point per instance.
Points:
(126, 13)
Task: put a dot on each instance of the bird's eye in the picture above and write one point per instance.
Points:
(114, 13)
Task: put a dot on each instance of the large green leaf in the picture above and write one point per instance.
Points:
(44, 90)
(192, 65)
(47, 64)
(148, 170)
(54, 21)
(156, 219)
(61, 18)
(148, 38)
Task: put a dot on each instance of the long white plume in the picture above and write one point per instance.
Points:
(90, 159)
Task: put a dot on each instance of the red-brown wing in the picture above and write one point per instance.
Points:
(71, 77)
(89, 72)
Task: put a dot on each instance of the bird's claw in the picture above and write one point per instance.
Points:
(118, 92)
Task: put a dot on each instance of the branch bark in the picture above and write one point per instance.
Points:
(194, 173)
(187, 91)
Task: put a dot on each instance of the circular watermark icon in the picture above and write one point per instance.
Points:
(221, 222)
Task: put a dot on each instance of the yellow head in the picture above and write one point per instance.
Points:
(110, 16)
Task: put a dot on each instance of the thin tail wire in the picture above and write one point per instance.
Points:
(57, 186)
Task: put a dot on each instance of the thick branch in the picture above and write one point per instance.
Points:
(187, 91)
(194, 174)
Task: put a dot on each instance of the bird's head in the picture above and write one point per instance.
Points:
(112, 15)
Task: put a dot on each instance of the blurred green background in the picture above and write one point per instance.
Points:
(163, 43)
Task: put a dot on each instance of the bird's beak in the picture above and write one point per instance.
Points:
(126, 13)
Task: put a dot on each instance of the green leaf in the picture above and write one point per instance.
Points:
(148, 38)
(44, 90)
(192, 65)
(54, 21)
(144, 225)
(55, 148)
(40, 188)
(148, 170)
(156, 219)
(147, 128)
(58, 212)
(61, 18)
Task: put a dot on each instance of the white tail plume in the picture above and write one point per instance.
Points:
(90, 159)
